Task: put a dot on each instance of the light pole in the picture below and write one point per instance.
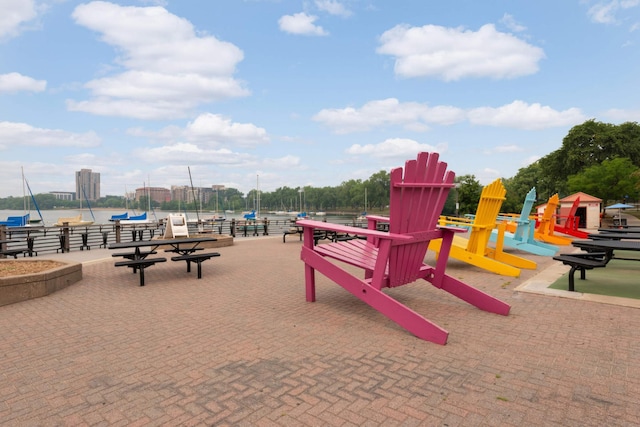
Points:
(457, 186)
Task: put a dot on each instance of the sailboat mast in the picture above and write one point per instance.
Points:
(258, 195)
(24, 194)
(194, 194)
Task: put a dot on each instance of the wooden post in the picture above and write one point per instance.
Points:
(3, 236)
(65, 233)
(118, 231)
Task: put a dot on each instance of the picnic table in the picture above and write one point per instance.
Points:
(14, 252)
(615, 236)
(186, 248)
(608, 247)
(598, 254)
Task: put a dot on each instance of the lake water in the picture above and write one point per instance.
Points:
(102, 215)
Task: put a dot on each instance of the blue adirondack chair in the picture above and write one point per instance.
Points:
(522, 238)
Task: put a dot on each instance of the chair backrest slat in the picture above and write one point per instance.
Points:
(524, 222)
(491, 199)
(418, 194)
(547, 222)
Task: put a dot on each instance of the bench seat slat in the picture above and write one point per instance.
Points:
(197, 258)
(140, 265)
(582, 262)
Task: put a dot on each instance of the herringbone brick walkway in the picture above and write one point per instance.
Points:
(242, 347)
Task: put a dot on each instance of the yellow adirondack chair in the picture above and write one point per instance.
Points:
(546, 228)
(475, 250)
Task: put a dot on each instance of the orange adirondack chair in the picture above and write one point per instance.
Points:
(545, 231)
(396, 257)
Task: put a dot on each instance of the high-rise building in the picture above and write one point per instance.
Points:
(87, 185)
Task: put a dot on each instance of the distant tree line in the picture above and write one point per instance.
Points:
(597, 158)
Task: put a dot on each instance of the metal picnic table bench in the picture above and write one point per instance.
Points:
(597, 254)
(185, 247)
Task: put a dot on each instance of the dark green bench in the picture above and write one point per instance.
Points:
(197, 258)
(582, 262)
(13, 252)
(140, 264)
(134, 255)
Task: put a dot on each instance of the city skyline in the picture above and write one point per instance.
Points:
(301, 93)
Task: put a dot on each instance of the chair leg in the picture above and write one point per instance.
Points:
(474, 296)
(404, 316)
(310, 282)
(141, 276)
(394, 310)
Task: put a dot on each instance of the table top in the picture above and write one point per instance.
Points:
(160, 242)
(614, 236)
(620, 230)
(607, 244)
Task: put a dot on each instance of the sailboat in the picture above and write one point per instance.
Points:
(25, 219)
(77, 221)
(136, 219)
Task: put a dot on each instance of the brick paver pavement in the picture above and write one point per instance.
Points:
(241, 346)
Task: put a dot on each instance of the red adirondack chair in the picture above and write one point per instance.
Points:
(396, 258)
(569, 223)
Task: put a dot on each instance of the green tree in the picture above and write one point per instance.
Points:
(469, 190)
(519, 185)
(590, 144)
(378, 190)
(612, 180)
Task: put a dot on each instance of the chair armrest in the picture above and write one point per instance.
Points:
(308, 223)
(452, 229)
(378, 218)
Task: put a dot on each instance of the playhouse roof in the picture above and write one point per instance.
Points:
(584, 197)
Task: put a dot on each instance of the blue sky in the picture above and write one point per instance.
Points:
(299, 93)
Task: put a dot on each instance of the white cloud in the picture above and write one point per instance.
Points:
(606, 12)
(22, 134)
(394, 148)
(488, 175)
(15, 82)
(521, 115)
(454, 53)
(301, 23)
(188, 153)
(15, 13)
(210, 130)
(621, 116)
(333, 7)
(213, 126)
(507, 149)
(390, 111)
(168, 68)
(417, 117)
(530, 160)
(510, 22)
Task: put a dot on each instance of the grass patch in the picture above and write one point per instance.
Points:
(620, 278)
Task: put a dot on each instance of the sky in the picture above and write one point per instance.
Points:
(274, 93)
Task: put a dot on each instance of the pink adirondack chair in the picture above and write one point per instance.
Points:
(396, 258)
